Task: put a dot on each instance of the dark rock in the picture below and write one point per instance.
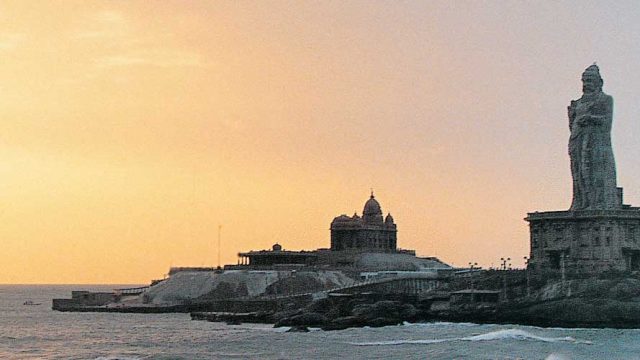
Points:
(321, 306)
(226, 290)
(625, 289)
(381, 321)
(366, 311)
(298, 328)
(345, 322)
(385, 309)
(302, 282)
(407, 311)
(579, 312)
(280, 315)
(305, 319)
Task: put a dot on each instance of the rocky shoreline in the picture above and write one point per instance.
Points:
(499, 297)
(578, 303)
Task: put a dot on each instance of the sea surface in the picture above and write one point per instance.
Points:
(37, 332)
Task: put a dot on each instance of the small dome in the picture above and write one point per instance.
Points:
(277, 247)
(389, 219)
(342, 218)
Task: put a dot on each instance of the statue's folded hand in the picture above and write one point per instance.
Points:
(583, 120)
(587, 120)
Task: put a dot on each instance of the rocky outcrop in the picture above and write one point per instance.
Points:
(579, 303)
(183, 287)
(331, 314)
(610, 301)
(577, 312)
(303, 319)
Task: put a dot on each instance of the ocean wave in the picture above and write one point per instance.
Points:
(281, 329)
(556, 356)
(118, 357)
(508, 334)
(444, 323)
(517, 334)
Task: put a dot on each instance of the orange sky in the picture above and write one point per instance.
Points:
(131, 130)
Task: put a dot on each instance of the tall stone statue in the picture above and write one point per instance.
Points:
(598, 233)
(592, 164)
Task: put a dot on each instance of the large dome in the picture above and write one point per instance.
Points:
(372, 207)
(372, 214)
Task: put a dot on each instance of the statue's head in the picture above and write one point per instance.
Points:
(591, 80)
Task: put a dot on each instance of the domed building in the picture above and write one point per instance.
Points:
(369, 232)
(366, 243)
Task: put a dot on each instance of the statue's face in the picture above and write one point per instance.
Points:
(590, 83)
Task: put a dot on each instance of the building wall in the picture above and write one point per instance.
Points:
(366, 238)
(593, 242)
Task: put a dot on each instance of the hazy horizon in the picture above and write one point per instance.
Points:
(132, 130)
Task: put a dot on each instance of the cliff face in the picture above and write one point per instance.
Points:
(623, 289)
(580, 312)
(579, 303)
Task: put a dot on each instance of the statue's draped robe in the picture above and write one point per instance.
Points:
(592, 164)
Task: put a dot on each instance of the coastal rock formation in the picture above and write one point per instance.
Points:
(184, 286)
(337, 315)
(307, 281)
(579, 303)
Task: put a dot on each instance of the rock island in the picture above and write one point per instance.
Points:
(582, 270)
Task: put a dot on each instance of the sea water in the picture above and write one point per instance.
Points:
(37, 332)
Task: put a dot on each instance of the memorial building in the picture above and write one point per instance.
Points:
(367, 242)
(369, 232)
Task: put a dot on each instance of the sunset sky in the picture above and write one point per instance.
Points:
(130, 130)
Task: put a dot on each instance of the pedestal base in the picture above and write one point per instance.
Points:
(585, 241)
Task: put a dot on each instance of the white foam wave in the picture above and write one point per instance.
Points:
(513, 334)
(556, 356)
(444, 323)
(281, 329)
(516, 334)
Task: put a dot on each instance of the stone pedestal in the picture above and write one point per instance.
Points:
(585, 241)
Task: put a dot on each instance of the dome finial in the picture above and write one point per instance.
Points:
(372, 193)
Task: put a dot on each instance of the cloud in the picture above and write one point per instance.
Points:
(120, 60)
(153, 58)
(110, 17)
(124, 45)
(101, 25)
(9, 41)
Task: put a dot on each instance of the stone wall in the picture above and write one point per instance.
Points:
(586, 241)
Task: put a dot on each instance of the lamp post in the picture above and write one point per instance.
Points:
(471, 267)
(504, 262)
(219, 231)
(526, 271)
(504, 276)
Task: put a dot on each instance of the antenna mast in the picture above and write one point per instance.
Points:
(219, 230)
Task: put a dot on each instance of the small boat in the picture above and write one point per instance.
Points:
(30, 303)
